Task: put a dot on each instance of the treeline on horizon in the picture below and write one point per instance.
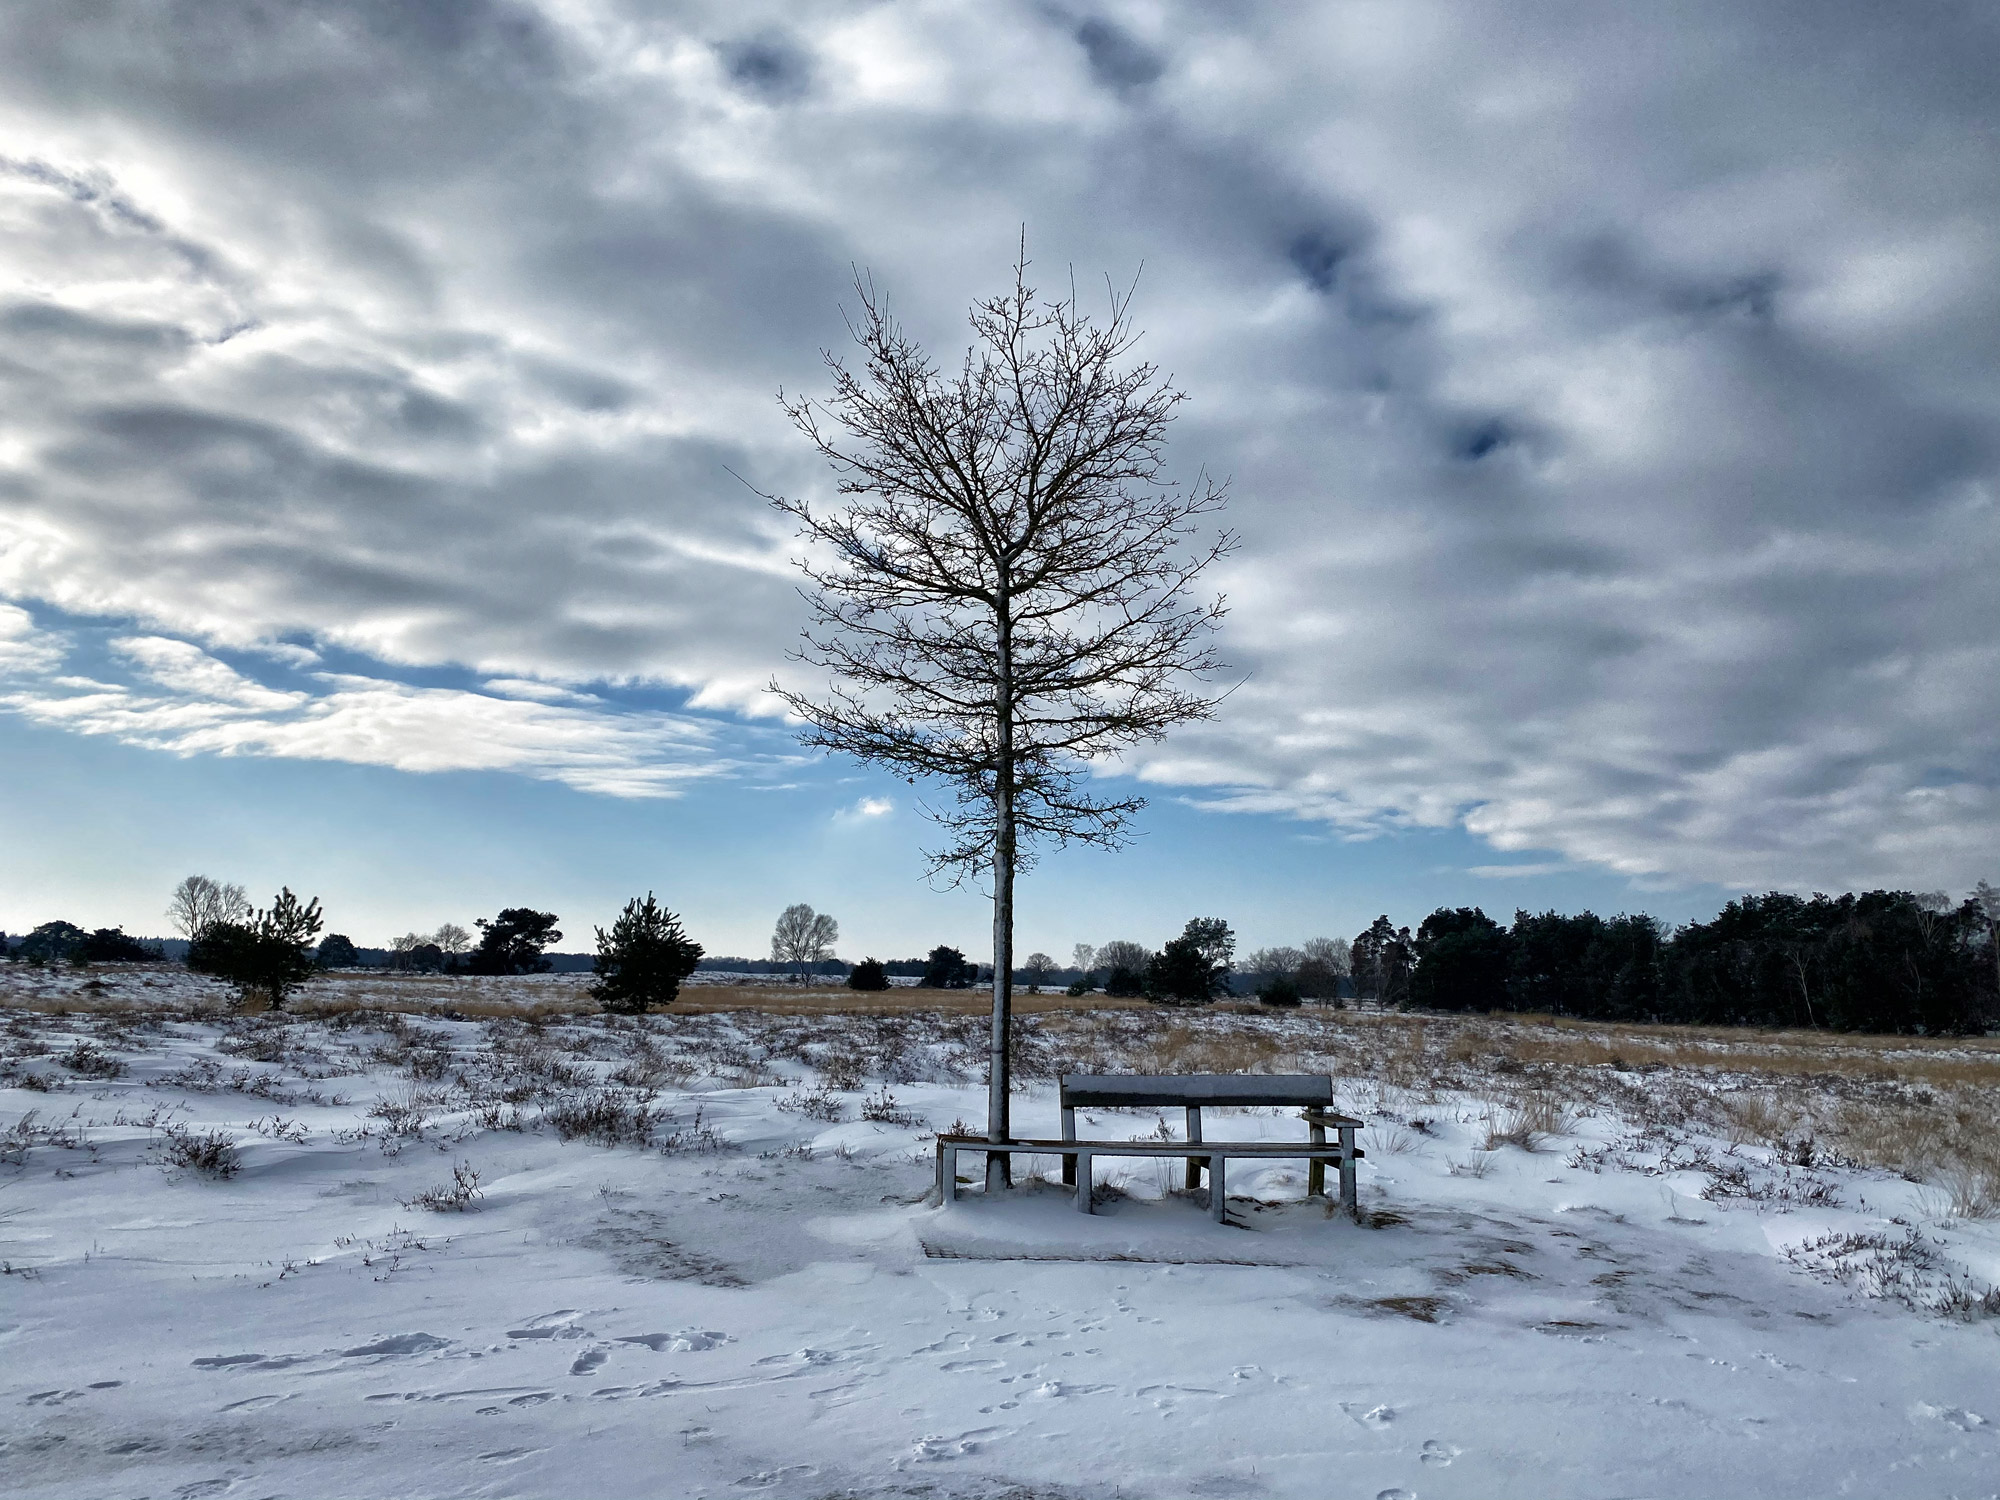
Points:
(1877, 961)
(1880, 961)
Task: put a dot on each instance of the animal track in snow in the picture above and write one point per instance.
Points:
(1437, 1454)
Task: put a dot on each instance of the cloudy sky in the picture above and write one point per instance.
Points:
(1609, 397)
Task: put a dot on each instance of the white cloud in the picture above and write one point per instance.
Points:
(210, 708)
(25, 649)
(1615, 447)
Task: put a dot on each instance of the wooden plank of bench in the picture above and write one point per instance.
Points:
(1143, 1090)
(1145, 1148)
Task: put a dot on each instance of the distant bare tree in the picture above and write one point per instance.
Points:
(1987, 899)
(453, 941)
(199, 902)
(1121, 954)
(1283, 961)
(803, 938)
(1335, 953)
(1003, 594)
(403, 950)
(1082, 958)
(1323, 964)
(1038, 968)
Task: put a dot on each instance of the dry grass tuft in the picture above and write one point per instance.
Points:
(1526, 1121)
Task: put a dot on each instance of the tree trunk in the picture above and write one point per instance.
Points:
(999, 1167)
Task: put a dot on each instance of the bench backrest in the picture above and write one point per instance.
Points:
(1148, 1090)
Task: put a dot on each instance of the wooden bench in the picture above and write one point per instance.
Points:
(1192, 1092)
(1313, 1092)
(948, 1147)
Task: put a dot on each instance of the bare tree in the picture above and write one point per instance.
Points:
(1081, 958)
(453, 941)
(1270, 961)
(1002, 595)
(1987, 899)
(199, 902)
(1038, 968)
(403, 949)
(803, 938)
(1335, 953)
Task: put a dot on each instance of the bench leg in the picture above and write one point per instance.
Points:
(1316, 1168)
(1194, 1163)
(1069, 1134)
(1083, 1205)
(1349, 1201)
(1218, 1194)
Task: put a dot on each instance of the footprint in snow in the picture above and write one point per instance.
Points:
(1437, 1454)
(255, 1403)
(933, 1449)
(508, 1455)
(802, 1356)
(1052, 1389)
(687, 1341)
(400, 1343)
(764, 1479)
(587, 1361)
(554, 1325)
(1393, 1494)
(960, 1366)
(1951, 1416)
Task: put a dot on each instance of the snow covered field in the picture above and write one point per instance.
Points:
(368, 1253)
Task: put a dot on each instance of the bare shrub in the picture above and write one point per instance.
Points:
(407, 1115)
(608, 1116)
(695, 1136)
(453, 1197)
(649, 1068)
(843, 1069)
(882, 1108)
(1909, 1271)
(1478, 1164)
(815, 1103)
(209, 1152)
(88, 1060)
(1756, 1119)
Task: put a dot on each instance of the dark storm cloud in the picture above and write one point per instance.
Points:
(1609, 394)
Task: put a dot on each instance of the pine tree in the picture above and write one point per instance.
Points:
(643, 959)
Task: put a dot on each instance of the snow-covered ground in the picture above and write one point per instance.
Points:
(247, 1256)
